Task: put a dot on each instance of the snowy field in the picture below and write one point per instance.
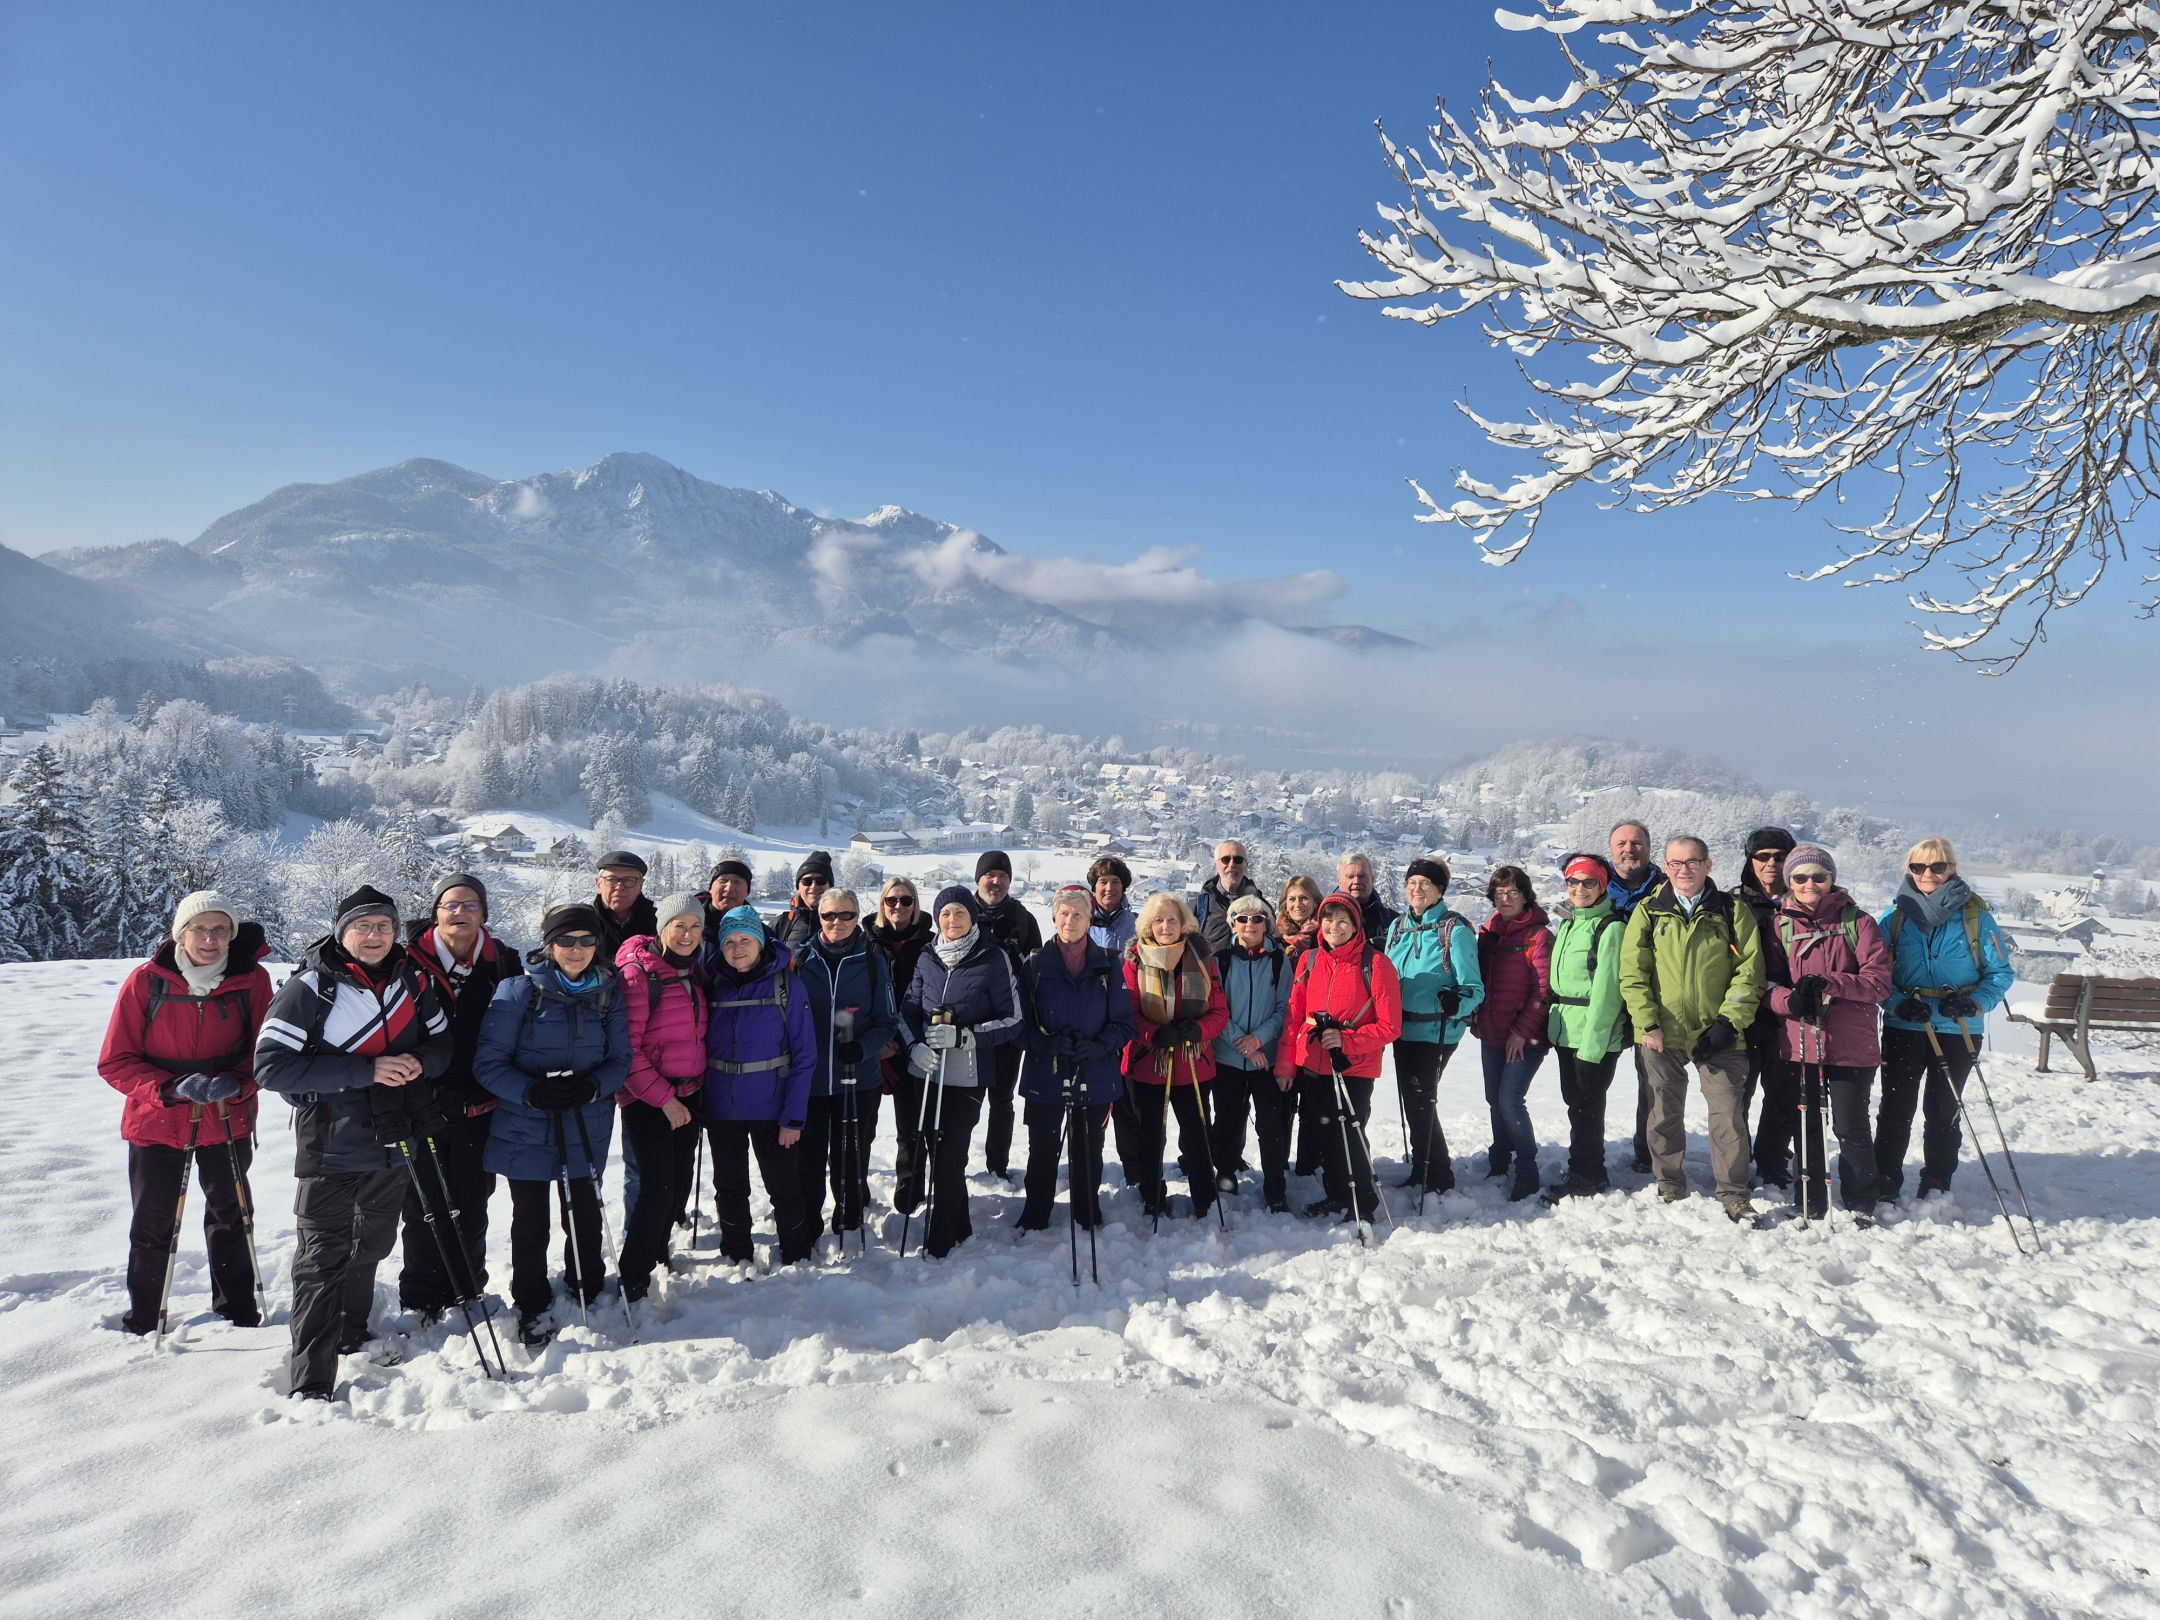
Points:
(1612, 1408)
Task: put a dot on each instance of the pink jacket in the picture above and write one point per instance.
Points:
(667, 1029)
(1855, 973)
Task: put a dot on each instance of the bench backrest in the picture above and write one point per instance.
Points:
(2093, 999)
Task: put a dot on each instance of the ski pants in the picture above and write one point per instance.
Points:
(1050, 1122)
(423, 1284)
(1915, 1077)
(346, 1226)
(1848, 1106)
(835, 1150)
(947, 1140)
(733, 1143)
(1584, 1087)
(1345, 1159)
(998, 1133)
(668, 1156)
(1418, 1067)
(532, 1221)
(1151, 1110)
(154, 1178)
(1237, 1091)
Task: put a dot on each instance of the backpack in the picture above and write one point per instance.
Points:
(162, 992)
(1852, 932)
(1365, 961)
(1974, 908)
(779, 998)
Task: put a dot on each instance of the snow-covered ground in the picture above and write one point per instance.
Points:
(1613, 1408)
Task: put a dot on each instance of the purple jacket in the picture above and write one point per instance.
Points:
(759, 1060)
(667, 1009)
(1855, 974)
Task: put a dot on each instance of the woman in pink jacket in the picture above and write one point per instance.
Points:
(1830, 972)
(668, 1003)
(1515, 959)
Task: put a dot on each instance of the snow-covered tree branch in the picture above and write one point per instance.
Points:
(1906, 251)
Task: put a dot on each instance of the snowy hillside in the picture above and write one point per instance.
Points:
(1614, 1408)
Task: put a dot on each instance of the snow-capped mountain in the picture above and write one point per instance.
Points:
(430, 571)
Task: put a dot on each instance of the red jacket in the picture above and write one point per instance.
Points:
(214, 1034)
(1192, 1063)
(1515, 960)
(667, 1038)
(1332, 979)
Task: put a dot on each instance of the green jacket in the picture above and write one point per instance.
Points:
(1678, 972)
(1588, 1016)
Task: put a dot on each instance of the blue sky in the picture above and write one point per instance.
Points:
(1060, 274)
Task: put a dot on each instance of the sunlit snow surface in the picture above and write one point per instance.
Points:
(1616, 1407)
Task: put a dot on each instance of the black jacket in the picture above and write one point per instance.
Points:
(1013, 926)
(493, 962)
(643, 920)
(1212, 906)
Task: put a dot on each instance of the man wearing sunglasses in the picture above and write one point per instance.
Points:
(1211, 902)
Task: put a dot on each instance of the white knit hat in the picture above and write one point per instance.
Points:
(194, 905)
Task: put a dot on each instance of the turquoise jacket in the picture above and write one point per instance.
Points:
(1434, 952)
(1941, 958)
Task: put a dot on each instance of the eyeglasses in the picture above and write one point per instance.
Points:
(628, 881)
(1810, 879)
(456, 908)
(371, 930)
(836, 916)
(207, 931)
(577, 942)
(1938, 868)
(1686, 862)
(899, 902)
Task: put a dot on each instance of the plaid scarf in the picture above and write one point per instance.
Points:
(1175, 982)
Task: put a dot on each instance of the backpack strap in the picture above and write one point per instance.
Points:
(160, 993)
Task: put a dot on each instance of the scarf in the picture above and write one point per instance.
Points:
(1174, 981)
(200, 980)
(952, 952)
(1931, 911)
(584, 985)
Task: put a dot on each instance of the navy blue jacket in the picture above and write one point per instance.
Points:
(1095, 1006)
(861, 980)
(534, 1025)
(984, 993)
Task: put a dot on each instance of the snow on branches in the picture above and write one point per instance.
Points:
(1907, 249)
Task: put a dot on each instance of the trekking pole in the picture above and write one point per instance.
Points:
(927, 1123)
(172, 1251)
(2009, 1159)
(442, 1250)
(1162, 1173)
(1072, 1172)
(607, 1238)
(697, 1178)
(1806, 1220)
(562, 1194)
(1431, 1104)
(247, 1215)
(1822, 1118)
(1979, 1152)
(471, 1282)
(1207, 1140)
(1342, 1106)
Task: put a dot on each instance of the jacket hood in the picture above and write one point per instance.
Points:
(1353, 947)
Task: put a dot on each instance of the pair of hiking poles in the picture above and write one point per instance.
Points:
(240, 1196)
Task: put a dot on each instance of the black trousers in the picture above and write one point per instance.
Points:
(1049, 1121)
(1418, 1067)
(1583, 1088)
(1344, 1159)
(909, 1093)
(1131, 1141)
(1848, 1099)
(835, 1146)
(733, 1143)
(154, 1179)
(945, 1160)
(1914, 1077)
(666, 1156)
(1777, 1077)
(1195, 1158)
(346, 1226)
(998, 1133)
(423, 1283)
(1240, 1092)
(532, 1221)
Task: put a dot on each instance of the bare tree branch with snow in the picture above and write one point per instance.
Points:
(1903, 249)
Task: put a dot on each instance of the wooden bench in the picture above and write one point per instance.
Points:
(2079, 1003)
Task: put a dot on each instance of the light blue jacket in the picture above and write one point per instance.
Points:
(1941, 958)
(1432, 953)
(1258, 989)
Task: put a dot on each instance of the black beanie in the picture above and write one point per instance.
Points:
(573, 919)
(365, 901)
(818, 862)
(993, 860)
(1431, 867)
(461, 880)
(1763, 838)
(730, 868)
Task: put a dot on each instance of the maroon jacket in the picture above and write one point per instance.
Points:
(1515, 960)
(667, 1031)
(214, 1034)
(1855, 973)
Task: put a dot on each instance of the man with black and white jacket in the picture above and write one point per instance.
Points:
(352, 1040)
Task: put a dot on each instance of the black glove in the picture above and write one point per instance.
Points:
(423, 1109)
(1805, 1000)
(1960, 1007)
(1065, 1045)
(1719, 1037)
(849, 1053)
(1179, 1032)
(561, 1090)
(1339, 1060)
(1450, 1002)
(1912, 1010)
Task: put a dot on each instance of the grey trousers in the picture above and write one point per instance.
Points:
(1724, 1089)
(347, 1225)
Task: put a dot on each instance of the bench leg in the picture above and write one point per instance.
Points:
(2082, 1051)
(2045, 1037)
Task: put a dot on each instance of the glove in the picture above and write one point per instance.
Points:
(1912, 1010)
(202, 1088)
(560, 1090)
(1339, 1061)
(1178, 1032)
(1960, 1007)
(1065, 1046)
(1451, 1002)
(849, 1053)
(1805, 1001)
(941, 1037)
(1719, 1037)
(422, 1108)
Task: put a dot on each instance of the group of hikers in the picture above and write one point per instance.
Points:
(427, 1059)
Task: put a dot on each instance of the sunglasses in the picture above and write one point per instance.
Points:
(1767, 855)
(1229, 860)
(1256, 921)
(1811, 879)
(1585, 883)
(1938, 868)
(899, 902)
(577, 942)
(836, 916)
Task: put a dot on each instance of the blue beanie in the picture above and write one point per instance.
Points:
(955, 894)
(742, 920)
